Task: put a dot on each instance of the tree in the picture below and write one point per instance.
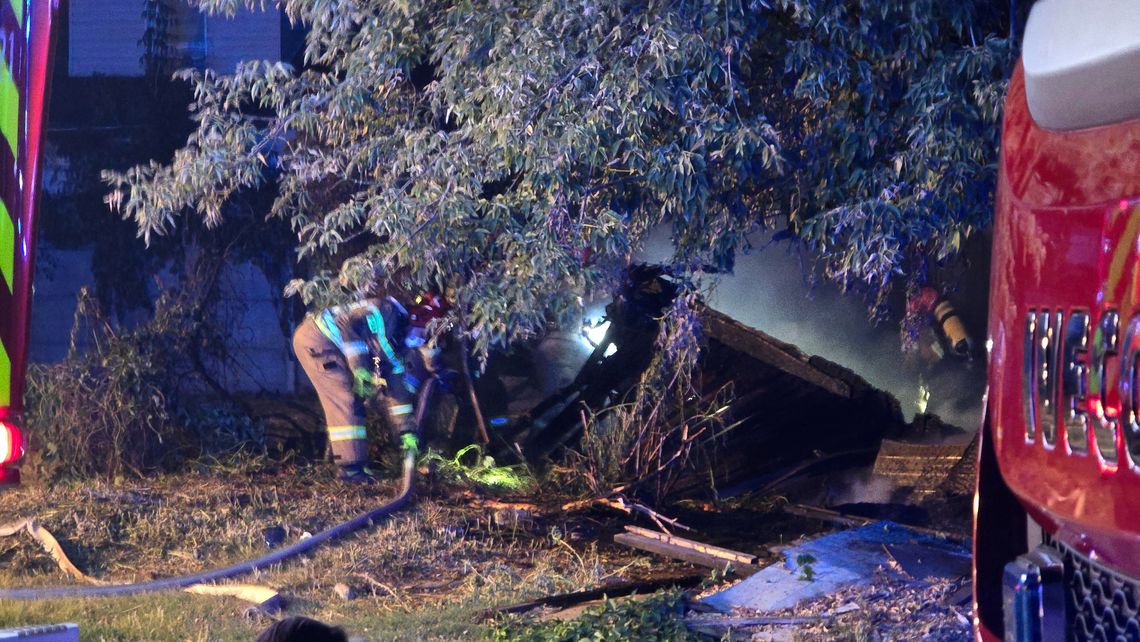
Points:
(893, 124)
(516, 153)
(519, 153)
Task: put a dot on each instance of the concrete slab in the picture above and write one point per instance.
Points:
(821, 566)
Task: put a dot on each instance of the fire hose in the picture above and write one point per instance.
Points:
(276, 556)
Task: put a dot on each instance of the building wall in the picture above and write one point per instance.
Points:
(262, 354)
(104, 37)
(58, 278)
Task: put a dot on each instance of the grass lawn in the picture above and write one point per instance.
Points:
(179, 617)
(425, 573)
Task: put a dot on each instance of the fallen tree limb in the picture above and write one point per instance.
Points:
(708, 549)
(50, 544)
(264, 598)
(484, 436)
(683, 553)
(628, 507)
(616, 590)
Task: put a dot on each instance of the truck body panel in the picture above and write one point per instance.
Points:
(1062, 426)
(26, 28)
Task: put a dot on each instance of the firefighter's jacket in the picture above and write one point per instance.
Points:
(370, 334)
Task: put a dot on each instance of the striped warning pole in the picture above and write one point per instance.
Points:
(25, 65)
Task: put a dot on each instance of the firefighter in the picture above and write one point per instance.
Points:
(932, 327)
(373, 349)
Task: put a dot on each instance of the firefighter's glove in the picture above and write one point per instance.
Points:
(410, 443)
(363, 383)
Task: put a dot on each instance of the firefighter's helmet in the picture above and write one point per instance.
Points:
(428, 307)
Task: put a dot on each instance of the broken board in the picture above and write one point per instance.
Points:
(823, 566)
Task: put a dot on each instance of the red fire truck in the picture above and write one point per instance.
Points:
(1057, 509)
(25, 46)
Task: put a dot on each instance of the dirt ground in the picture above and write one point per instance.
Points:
(429, 572)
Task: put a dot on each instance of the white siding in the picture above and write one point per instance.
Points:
(105, 34)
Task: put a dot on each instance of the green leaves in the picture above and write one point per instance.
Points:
(517, 153)
(656, 618)
(898, 157)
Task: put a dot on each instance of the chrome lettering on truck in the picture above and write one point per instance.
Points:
(1060, 371)
(1104, 419)
(1074, 383)
(1048, 343)
(1129, 406)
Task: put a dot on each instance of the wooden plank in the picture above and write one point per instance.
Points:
(716, 551)
(815, 512)
(767, 350)
(666, 549)
(925, 467)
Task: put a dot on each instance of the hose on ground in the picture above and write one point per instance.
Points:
(242, 568)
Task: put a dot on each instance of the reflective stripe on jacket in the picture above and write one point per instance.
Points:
(365, 330)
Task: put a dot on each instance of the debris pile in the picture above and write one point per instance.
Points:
(889, 606)
(880, 581)
(925, 468)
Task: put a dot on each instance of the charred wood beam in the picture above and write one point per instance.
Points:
(616, 590)
(810, 466)
(835, 517)
(767, 350)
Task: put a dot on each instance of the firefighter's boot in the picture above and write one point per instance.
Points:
(357, 474)
(350, 452)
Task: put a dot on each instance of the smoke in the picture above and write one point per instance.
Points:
(861, 488)
(769, 292)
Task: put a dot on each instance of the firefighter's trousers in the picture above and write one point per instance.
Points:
(329, 372)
